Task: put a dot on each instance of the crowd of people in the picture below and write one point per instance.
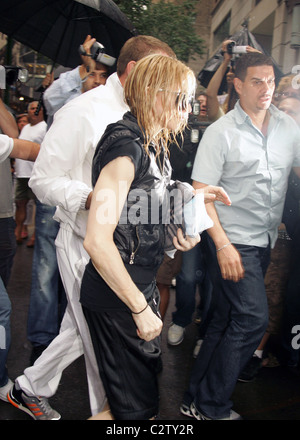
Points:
(108, 150)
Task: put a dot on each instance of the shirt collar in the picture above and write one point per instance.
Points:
(241, 116)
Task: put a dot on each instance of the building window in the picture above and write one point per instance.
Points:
(222, 32)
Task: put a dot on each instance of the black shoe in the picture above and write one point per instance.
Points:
(37, 350)
(250, 371)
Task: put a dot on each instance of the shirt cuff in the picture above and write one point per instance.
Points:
(85, 195)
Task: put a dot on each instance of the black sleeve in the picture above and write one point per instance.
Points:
(130, 149)
(182, 156)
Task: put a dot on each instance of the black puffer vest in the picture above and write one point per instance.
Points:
(140, 233)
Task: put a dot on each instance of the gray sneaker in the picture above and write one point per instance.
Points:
(197, 414)
(4, 390)
(37, 407)
(175, 334)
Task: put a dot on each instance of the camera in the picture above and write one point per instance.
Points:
(10, 74)
(98, 54)
(232, 49)
(195, 107)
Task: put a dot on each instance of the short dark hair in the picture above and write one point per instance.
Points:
(252, 59)
(138, 47)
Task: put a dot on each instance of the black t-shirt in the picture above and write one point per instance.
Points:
(130, 149)
(95, 293)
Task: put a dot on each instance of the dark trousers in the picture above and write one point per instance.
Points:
(291, 315)
(8, 247)
(127, 364)
(7, 252)
(239, 321)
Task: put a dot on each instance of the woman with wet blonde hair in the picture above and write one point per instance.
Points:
(126, 235)
(173, 83)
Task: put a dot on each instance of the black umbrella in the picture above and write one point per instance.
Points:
(242, 38)
(56, 28)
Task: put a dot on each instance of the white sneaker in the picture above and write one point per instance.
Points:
(233, 415)
(197, 348)
(5, 389)
(175, 334)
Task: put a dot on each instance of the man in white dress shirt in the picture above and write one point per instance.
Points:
(35, 132)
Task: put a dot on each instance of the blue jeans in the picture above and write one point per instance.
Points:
(238, 324)
(46, 294)
(193, 272)
(5, 336)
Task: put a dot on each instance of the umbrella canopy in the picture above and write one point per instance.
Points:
(242, 38)
(56, 28)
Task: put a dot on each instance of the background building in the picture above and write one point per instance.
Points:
(203, 29)
(274, 23)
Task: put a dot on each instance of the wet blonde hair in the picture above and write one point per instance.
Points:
(173, 80)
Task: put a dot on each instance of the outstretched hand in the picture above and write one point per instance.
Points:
(214, 194)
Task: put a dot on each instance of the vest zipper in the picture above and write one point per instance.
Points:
(132, 255)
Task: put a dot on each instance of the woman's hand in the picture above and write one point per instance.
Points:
(149, 325)
(185, 243)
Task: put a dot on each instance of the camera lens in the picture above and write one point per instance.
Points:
(230, 47)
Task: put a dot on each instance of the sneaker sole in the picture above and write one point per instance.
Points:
(200, 416)
(196, 413)
(246, 380)
(19, 405)
(187, 412)
(175, 343)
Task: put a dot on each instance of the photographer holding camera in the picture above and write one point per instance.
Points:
(214, 110)
(90, 74)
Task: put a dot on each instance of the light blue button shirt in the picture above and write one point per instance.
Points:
(252, 168)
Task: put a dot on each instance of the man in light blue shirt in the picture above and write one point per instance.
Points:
(249, 152)
(253, 169)
(69, 85)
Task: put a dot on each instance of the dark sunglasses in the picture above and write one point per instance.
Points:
(182, 100)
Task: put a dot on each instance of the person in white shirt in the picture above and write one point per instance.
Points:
(35, 132)
(62, 178)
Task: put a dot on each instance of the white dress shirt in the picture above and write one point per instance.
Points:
(62, 172)
(34, 133)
